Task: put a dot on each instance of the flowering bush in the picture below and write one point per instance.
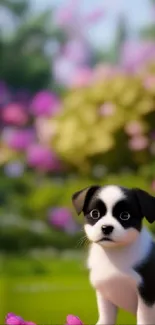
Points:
(109, 122)
(20, 129)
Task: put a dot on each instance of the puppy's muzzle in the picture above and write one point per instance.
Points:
(107, 230)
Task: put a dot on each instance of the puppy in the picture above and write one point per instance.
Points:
(122, 252)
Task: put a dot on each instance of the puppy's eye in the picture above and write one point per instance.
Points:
(95, 214)
(125, 215)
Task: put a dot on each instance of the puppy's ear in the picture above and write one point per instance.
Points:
(81, 198)
(147, 204)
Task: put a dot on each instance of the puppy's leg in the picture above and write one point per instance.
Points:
(107, 311)
(145, 313)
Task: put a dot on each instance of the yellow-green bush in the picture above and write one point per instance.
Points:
(109, 122)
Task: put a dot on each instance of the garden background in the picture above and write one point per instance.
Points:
(73, 112)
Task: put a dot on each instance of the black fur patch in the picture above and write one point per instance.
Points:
(94, 204)
(128, 205)
(147, 271)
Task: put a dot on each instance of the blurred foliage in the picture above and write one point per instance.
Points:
(25, 203)
(24, 61)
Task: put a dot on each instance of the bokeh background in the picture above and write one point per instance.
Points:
(77, 107)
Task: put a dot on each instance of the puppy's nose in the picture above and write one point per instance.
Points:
(107, 230)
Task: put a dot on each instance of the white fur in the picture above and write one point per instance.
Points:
(115, 281)
(110, 195)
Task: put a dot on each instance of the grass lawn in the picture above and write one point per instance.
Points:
(47, 298)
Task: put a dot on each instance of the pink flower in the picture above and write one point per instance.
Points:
(133, 128)
(107, 109)
(135, 54)
(149, 82)
(73, 320)
(82, 77)
(14, 114)
(12, 319)
(42, 158)
(45, 103)
(20, 139)
(104, 71)
(138, 143)
(60, 217)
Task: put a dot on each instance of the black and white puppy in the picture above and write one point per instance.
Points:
(122, 252)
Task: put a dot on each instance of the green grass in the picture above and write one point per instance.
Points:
(47, 298)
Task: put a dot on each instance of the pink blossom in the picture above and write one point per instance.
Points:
(149, 82)
(107, 109)
(82, 77)
(133, 128)
(135, 54)
(45, 103)
(42, 158)
(104, 71)
(12, 319)
(138, 143)
(14, 114)
(20, 139)
(60, 217)
(73, 320)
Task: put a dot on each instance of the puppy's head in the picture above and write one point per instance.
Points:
(113, 215)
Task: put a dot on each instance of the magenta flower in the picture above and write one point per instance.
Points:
(45, 103)
(138, 143)
(73, 320)
(60, 217)
(20, 139)
(12, 319)
(42, 158)
(14, 114)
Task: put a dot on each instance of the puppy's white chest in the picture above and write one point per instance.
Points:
(116, 279)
